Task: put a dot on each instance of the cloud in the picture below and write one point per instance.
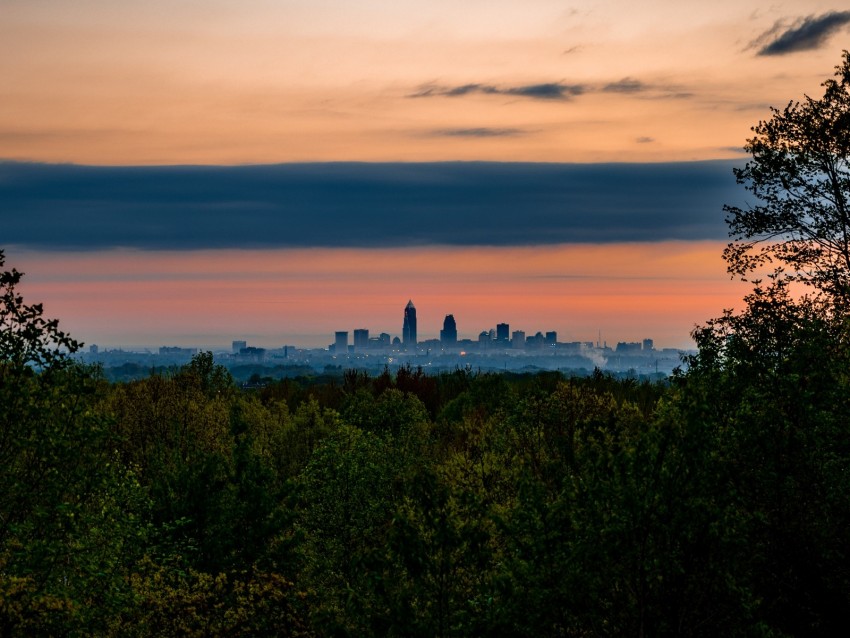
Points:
(547, 91)
(805, 34)
(734, 149)
(478, 132)
(543, 91)
(632, 86)
(52, 206)
(555, 91)
(626, 85)
(645, 140)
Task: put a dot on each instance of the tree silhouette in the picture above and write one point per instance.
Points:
(800, 174)
(26, 337)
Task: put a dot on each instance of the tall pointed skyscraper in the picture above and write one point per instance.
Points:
(408, 332)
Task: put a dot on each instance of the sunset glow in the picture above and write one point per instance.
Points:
(626, 291)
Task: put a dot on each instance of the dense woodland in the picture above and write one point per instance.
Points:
(463, 504)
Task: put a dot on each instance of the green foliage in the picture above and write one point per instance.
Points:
(250, 602)
(434, 568)
(70, 513)
(202, 371)
(773, 386)
(347, 491)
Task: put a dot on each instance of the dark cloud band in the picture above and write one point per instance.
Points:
(351, 204)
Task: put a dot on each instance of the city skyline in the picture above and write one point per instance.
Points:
(449, 336)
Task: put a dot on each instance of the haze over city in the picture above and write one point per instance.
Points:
(196, 172)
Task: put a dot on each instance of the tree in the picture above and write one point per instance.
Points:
(26, 337)
(347, 495)
(800, 174)
(770, 384)
(767, 398)
(70, 523)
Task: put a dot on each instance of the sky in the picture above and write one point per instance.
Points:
(195, 171)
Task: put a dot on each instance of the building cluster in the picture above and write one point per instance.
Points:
(498, 338)
(497, 348)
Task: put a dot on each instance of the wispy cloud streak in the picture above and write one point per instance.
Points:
(543, 91)
(805, 34)
(477, 132)
(626, 85)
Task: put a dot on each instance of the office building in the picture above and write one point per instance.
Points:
(361, 339)
(628, 347)
(503, 332)
(341, 342)
(408, 332)
(518, 339)
(536, 342)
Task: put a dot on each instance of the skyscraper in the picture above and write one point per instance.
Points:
(518, 340)
(448, 335)
(408, 331)
(503, 332)
(361, 339)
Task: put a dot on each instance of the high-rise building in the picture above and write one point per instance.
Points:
(448, 335)
(361, 338)
(503, 332)
(239, 345)
(518, 340)
(408, 332)
(341, 342)
(551, 338)
(537, 341)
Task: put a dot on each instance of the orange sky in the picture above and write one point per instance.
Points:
(208, 81)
